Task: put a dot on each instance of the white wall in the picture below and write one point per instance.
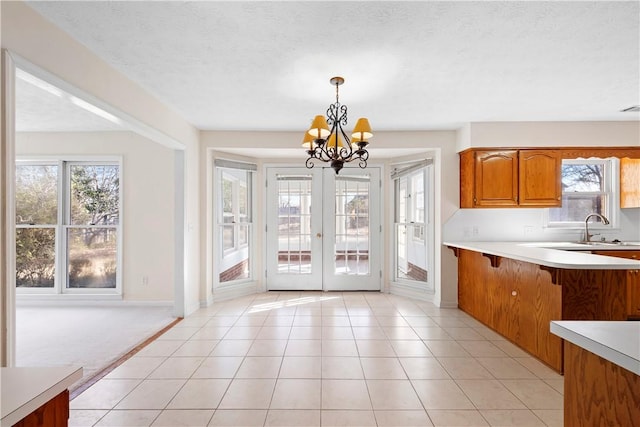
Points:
(148, 202)
(528, 225)
(25, 33)
(551, 134)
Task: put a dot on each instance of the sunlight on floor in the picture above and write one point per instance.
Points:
(287, 303)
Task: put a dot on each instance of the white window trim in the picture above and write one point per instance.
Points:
(59, 287)
(218, 166)
(612, 182)
(427, 225)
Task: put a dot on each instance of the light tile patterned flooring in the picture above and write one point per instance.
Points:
(325, 359)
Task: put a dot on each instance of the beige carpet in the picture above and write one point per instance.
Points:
(89, 336)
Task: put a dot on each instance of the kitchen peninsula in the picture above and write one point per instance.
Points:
(36, 396)
(602, 371)
(517, 289)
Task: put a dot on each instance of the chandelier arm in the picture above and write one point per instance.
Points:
(343, 115)
(309, 163)
(362, 163)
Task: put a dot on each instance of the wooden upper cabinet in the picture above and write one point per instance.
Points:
(510, 178)
(540, 180)
(629, 183)
(496, 178)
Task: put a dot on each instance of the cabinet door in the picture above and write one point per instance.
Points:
(633, 281)
(540, 178)
(629, 183)
(633, 294)
(496, 178)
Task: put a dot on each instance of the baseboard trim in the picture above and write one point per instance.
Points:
(403, 290)
(234, 291)
(88, 300)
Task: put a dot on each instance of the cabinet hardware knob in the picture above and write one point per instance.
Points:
(514, 293)
(318, 235)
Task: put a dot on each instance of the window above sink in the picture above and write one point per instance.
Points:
(588, 186)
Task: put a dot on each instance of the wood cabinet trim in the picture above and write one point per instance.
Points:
(554, 272)
(494, 260)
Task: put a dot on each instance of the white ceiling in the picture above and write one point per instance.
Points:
(408, 65)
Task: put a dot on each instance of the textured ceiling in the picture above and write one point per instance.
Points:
(408, 65)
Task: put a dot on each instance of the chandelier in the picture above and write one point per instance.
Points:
(331, 144)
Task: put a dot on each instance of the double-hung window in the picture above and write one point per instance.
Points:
(587, 187)
(234, 218)
(68, 226)
(412, 223)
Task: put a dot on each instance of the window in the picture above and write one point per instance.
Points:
(67, 225)
(587, 187)
(412, 248)
(234, 219)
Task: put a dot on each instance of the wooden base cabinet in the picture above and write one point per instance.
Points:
(54, 413)
(598, 392)
(632, 281)
(514, 298)
(519, 299)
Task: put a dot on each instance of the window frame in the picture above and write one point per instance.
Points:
(239, 220)
(64, 164)
(402, 178)
(611, 191)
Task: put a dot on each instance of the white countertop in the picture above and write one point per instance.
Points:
(23, 390)
(554, 254)
(617, 342)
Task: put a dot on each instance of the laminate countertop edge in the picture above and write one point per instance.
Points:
(556, 257)
(615, 341)
(25, 389)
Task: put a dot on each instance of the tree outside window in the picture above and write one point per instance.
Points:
(585, 189)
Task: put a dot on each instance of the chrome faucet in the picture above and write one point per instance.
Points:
(603, 219)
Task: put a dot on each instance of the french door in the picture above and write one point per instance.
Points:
(323, 230)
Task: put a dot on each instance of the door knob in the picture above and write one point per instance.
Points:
(318, 235)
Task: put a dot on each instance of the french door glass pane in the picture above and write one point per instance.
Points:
(294, 224)
(36, 194)
(91, 257)
(95, 194)
(35, 257)
(351, 251)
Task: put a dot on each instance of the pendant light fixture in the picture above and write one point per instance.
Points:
(326, 141)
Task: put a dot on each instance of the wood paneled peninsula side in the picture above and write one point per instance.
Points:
(517, 289)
